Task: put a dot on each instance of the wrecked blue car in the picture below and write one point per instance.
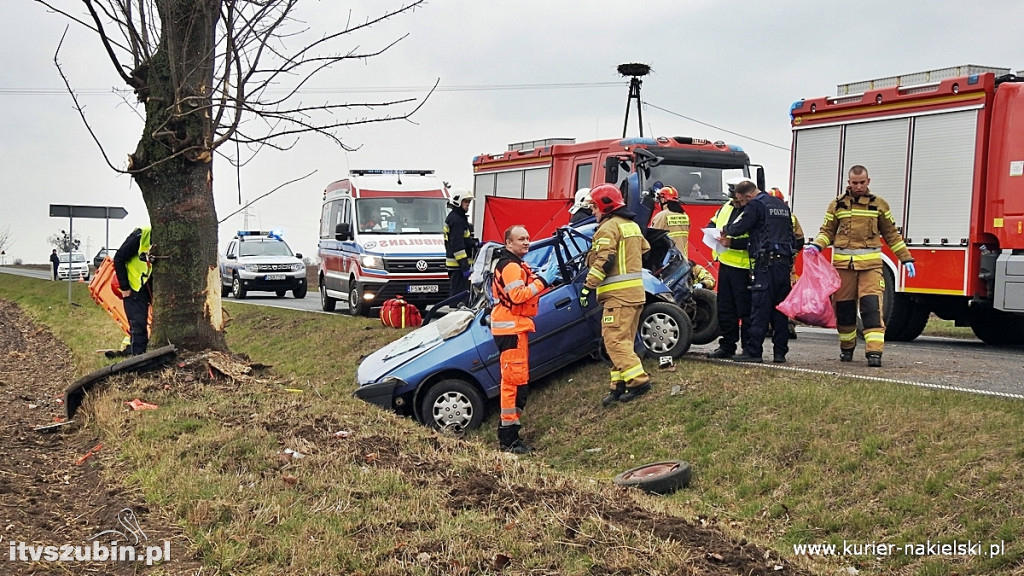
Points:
(446, 373)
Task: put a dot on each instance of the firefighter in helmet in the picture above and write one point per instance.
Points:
(581, 207)
(615, 261)
(459, 243)
(673, 219)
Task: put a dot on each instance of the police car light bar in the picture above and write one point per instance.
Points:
(242, 234)
(377, 172)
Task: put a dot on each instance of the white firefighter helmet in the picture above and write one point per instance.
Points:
(581, 200)
(458, 197)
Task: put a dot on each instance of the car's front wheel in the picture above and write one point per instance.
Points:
(664, 330)
(300, 292)
(356, 305)
(452, 404)
(237, 290)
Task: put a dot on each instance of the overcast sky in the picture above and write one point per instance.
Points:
(736, 65)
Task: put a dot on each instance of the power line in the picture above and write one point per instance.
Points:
(786, 148)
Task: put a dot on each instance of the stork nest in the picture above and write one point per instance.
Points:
(634, 69)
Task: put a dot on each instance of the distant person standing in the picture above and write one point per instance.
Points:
(459, 244)
(134, 269)
(55, 261)
(855, 225)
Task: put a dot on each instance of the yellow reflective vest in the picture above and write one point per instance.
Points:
(735, 257)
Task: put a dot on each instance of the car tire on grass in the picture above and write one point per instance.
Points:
(658, 478)
(664, 330)
(236, 288)
(453, 404)
(327, 303)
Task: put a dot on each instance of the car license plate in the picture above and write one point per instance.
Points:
(275, 276)
(423, 288)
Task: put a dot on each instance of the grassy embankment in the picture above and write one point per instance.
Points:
(780, 459)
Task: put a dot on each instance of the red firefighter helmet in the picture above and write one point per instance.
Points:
(668, 194)
(606, 198)
(777, 193)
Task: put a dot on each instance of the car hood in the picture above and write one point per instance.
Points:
(414, 344)
(268, 259)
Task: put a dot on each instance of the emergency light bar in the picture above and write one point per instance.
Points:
(242, 234)
(399, 172)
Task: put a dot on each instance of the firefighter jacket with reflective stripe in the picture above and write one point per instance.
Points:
(677, 224)
(131, 261)
(701, 274)
(616, 261)
(516, 292)
(736, 255)
(855, 228)
(458, 244)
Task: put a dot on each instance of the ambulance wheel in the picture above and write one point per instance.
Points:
(704, 316)
(452, 404)
(236, 287)
(327, 303)
(664, 330)
(280, 293)
(300, 292)
(356, 305)
(659, 477)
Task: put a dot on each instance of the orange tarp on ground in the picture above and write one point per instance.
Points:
(101, 288)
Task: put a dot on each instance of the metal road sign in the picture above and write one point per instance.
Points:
(69, 211)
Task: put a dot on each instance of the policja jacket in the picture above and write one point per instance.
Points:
(616, 260)
(516, 289)
(856, 227)
(770, 225)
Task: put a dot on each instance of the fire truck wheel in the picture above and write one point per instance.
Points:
(327, 303)
(907, 319)
(704, 316)
(659, 477)
(995, 327)
(356, 305)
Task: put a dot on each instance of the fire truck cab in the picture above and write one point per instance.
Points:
(534, 183)
(945, 149)
(380, 236)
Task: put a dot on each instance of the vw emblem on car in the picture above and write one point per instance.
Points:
(421, 265)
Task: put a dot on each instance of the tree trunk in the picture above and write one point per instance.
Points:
(174, 165)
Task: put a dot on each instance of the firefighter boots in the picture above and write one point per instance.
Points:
(634, 392)
(615, 394)
(875, 359)
(509, 440)
(845, 355)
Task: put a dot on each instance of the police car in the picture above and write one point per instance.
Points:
(260, 261)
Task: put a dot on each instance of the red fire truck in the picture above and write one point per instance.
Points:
(534, 183)
(945, 149)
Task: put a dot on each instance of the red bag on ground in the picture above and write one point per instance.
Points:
(397, 313)
(809, 300)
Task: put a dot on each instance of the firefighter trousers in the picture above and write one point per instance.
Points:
(515, 376)
(771, 286)
(619, 323)
(457, 282)
(734, 302)
(860, 289)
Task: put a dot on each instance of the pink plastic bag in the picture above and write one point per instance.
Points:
(809, 301)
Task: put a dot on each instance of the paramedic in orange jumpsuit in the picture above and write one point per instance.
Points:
(516, 290)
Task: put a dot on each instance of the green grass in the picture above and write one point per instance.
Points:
(938, 327)
(780, 459)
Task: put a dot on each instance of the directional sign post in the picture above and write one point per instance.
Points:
(71, 212)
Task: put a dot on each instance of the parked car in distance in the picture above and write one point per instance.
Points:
(262, 261)
(102, 255)
(444, 372)
(73, 265)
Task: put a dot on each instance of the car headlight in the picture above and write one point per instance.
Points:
(297, 267)
(375, 262)
(252, 268)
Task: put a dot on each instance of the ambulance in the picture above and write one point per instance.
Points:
(381, 235)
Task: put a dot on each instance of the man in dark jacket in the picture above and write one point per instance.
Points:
(55, 260)
(459, 244)
(771, 249)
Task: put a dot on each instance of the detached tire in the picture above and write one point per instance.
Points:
(657, 478)
(704, 316)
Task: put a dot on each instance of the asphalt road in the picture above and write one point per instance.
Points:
(938, 363)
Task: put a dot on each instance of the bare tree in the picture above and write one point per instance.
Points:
(6, 240)
(205, 73)
(65, 243)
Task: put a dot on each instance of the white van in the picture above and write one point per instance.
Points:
(381, 235)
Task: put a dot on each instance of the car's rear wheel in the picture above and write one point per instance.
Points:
(704, 316)
(237, 290)
(300, 292)
(452, 404)
(356, 305)
(327, 303)
(665, 330)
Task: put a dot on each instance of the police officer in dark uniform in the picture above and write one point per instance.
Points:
(771, 247)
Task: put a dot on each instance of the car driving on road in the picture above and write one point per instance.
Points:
(259, 261)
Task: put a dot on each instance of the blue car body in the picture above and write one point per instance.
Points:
(458, 353)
